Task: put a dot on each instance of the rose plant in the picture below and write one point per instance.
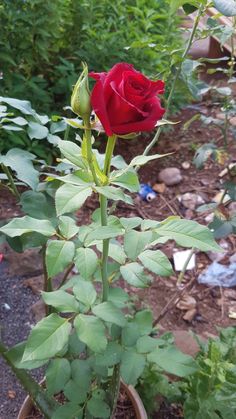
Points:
(90, 338)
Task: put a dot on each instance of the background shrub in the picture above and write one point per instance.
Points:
(43, 43)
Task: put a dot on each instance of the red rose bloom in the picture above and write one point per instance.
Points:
(125, 100)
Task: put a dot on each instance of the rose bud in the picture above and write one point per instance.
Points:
(80, 99)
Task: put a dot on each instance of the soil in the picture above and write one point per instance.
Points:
(212, 303)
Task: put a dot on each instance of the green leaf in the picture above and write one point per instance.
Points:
(86, 262)
(59, 254)
(157, 262)
(118, 297)
(85, 292)
(73, 153)
(113, 193)
(128, 180)
(109, 312)
(57, 375)
(132, 366)
(37, 205)
(144, 321)
(20, 161)
(134, 274)
(61, 300)
(130, 223)
(18, 120)
(68, 410)
(141, 160)
(173, 361)
(37, 131)
(22, 105)
(111, 356)
(81, 373)
(98, 408)
(135, 242)
(47, 338)
(146, 344)
(22, 225)
(15, 354)
(67, 226)
(69, 198)
(103, 232)
(91, 331)
(74, 393)
(226, 7)
(188, 233)
(116, 252)
(130, 334)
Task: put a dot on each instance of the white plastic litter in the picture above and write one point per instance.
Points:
(180, 258)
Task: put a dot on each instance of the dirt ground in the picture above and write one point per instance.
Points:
(20, 282)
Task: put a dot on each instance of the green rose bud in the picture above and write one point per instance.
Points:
(80, 99)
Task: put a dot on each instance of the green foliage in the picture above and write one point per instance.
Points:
(207, 392)
(43, 43)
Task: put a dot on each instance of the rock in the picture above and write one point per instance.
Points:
(159, 187)
(170, 176)
(190, 315)
(185, 165)
(186, 342)
(220, 116)
(191, 200)
(36, 283)
(187, 303)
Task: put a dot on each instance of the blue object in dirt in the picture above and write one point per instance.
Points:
(219, 275)
(146, 192)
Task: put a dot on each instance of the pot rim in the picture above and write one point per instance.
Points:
(130, 390)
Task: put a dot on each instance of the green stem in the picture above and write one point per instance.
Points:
(103, 206)
(115, 388)
(89, 149)
(109, 153)
(11, 181)
(105, 249)
(46, 405)
(169, 100)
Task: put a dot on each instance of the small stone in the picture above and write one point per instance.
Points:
(191, 200)
(185, 165)
(187, 303)
(170, 176)
(220, 116)
(159, 187)
(190, 315)
(11, 394)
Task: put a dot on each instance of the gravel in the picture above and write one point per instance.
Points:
(16, 321)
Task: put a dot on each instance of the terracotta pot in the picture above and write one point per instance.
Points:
(130, 391)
